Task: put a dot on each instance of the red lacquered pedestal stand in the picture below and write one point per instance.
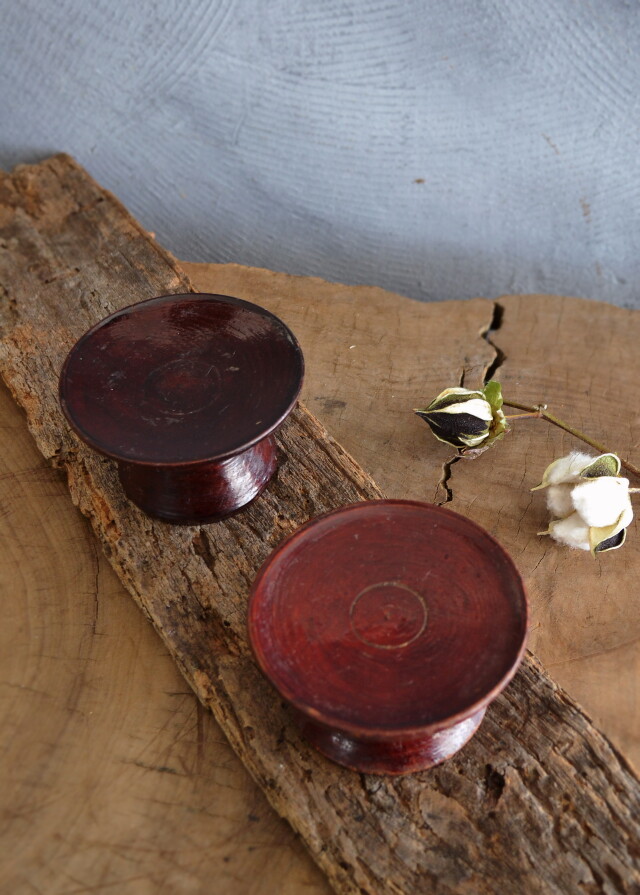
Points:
(389, 626)
(184, 392)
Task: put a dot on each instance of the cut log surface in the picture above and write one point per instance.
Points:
(538, 801)
(372, 356)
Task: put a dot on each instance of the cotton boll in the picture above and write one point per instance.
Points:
(600, 502)
(627, 515)
(448, 392)
(567, 469)
(477, 407)
(473, 440)
(466, 419)
(559, 500)
(571, 531)
(590, 500)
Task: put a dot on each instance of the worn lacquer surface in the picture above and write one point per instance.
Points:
(184, 393)
(390, 625)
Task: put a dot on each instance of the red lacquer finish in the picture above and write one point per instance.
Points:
(185, 391)
(389, 626)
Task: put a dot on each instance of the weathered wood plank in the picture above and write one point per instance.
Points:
(539, 801)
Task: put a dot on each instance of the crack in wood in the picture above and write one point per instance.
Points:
(495, 324)
(445, 481)
(497, 319)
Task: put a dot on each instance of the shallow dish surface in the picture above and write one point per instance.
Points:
(181, 379)
(389, 618)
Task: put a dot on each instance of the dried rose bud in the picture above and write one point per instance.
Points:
(465, 418)
(589, 500)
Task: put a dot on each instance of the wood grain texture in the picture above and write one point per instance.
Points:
(113, 775)
(389, 354)
(539, 801)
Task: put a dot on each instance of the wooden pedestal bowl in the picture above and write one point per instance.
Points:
(184, 392)
(389, 626)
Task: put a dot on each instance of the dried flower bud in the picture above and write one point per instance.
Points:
(465, 418)
(590, 501)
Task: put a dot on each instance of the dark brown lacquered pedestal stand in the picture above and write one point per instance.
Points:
(185, 391)
(389, 626)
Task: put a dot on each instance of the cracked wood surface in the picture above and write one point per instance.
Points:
(578, 356)
(538, 802)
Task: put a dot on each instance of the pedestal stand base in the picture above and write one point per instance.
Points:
(201, 492)
(389, 756)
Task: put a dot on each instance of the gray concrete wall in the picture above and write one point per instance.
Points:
(440, 148)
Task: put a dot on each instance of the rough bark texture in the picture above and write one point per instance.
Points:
(539, 801)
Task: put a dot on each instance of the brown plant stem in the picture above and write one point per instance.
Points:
(522, 416)
(541, 411)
